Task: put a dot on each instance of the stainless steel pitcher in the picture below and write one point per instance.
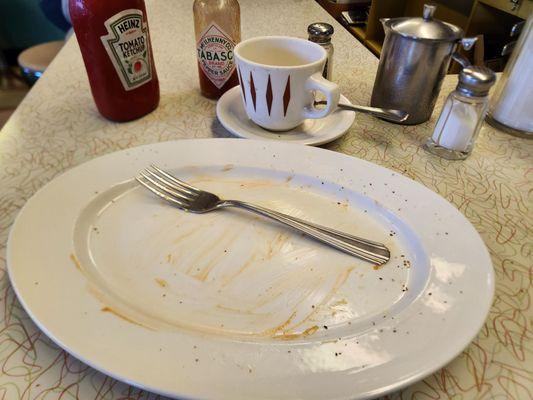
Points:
(415, 57)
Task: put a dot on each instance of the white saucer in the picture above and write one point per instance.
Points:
(232, 116)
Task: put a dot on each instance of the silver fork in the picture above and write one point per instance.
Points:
(190, 198)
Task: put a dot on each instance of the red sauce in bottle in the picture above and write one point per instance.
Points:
(211, 91)
(217, 27)
(115, 45)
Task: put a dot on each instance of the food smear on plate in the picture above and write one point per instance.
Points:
(238, 275)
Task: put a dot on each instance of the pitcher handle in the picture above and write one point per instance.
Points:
(467, 44)
(462, 60)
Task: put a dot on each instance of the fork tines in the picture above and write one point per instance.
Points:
(167, 186)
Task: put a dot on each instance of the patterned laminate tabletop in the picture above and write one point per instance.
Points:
(57, 127)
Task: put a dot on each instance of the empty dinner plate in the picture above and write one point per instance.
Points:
(228, 305)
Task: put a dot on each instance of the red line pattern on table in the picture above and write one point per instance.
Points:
(493, 189)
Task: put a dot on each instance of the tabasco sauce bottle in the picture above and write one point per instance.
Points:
(217, 25)
(115, 45)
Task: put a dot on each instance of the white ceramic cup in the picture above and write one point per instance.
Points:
(278, 76)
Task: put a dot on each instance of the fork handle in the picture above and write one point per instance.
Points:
(361, 244)
(362, 248)
(359, 240)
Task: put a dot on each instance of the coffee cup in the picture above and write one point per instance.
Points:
(278, 76)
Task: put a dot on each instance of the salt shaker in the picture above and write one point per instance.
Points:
(462, 115)
(320, 33)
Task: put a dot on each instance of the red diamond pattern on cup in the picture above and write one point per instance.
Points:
(252, 89)
(269, 96)
(239, 74)
(287, 96)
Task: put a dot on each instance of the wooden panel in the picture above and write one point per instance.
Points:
(488, 20)
(336, 9)
(495, 26)
(444, 12)
(359, 32)
(523, 10)
(382, 9)
(374, 46)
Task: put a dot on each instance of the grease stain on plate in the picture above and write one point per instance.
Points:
(230, 273)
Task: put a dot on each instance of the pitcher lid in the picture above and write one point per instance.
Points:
(425, 28)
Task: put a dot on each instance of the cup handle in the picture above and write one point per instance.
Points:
(331, 91)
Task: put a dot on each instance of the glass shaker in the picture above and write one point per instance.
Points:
(462, 115)
(511, 105)
(320, 33)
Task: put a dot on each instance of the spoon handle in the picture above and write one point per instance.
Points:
(392, 115)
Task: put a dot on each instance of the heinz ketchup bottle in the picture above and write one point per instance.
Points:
(115, 45)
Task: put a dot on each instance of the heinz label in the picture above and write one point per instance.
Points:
(215, 54)
(126, 44)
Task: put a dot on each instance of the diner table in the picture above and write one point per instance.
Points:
(57, 127)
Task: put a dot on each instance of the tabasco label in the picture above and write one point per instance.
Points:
(127, 44)
(215, 54)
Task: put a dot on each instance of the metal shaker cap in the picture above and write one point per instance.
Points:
(320, 32)
(476, 81)
(425, 28)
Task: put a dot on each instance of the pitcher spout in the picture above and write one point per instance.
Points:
(384, 22)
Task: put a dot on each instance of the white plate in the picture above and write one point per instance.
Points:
(229, 306)
(232, 116)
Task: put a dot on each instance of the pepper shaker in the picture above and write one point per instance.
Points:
(320, 33)
(462, 115)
